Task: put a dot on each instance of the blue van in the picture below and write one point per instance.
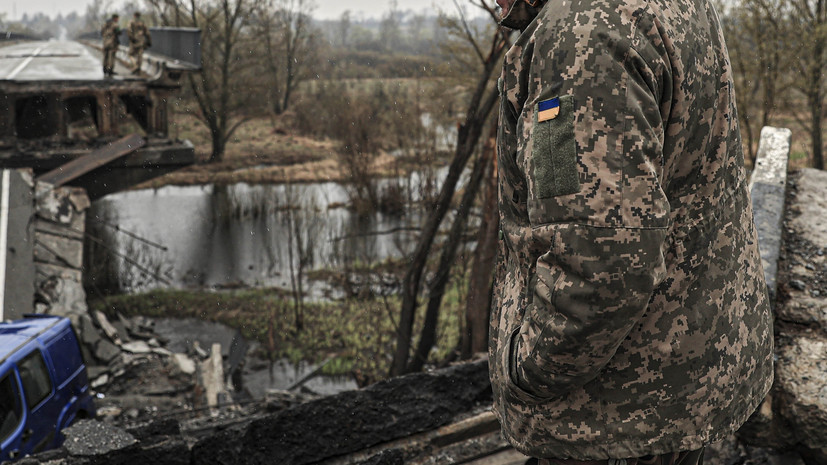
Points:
(44, 386)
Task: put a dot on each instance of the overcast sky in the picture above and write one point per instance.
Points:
(325, 9)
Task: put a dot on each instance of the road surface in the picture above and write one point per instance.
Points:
(50, 61)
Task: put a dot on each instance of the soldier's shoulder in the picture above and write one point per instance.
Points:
(611, 14)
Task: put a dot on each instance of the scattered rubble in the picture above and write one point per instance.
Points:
(89, 437)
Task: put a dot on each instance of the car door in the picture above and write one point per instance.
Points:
(11, 416)
(38, 394)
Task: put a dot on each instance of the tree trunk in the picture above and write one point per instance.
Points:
(480, 284)
(427, 336)
(816, 81)
(467, 137)
(816, 137)
(219, 143)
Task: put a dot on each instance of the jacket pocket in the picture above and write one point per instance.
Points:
(515, 390)
(554, 149)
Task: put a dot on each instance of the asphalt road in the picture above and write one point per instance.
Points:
(49, 61)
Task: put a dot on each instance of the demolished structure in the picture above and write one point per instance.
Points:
(68, 136)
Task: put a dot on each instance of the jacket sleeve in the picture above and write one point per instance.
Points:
(597, 212)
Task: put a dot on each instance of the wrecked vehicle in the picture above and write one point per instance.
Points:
(44, 386)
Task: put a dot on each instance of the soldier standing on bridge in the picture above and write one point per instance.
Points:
(631, 323)
(110, 32)
(139, 39)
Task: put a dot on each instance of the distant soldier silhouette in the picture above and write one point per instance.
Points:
(110, 32)
(139, 40)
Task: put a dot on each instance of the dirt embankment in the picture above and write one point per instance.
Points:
(262, 151)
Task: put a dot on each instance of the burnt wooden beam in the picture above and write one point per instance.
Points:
(100, 157)
(351, 421)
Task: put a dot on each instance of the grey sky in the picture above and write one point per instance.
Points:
(325, 9)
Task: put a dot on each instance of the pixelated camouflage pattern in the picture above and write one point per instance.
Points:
(109, 34)
(631, 316)
(138, 35)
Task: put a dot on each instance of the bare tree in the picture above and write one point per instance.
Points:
(757, 60)
(290, 45)
(343, 28)
(808, 22)
(436, 289)
(390, 35)
(97, 11)
(474, 337)
(220, 89)
(479, 108)
(300, 245)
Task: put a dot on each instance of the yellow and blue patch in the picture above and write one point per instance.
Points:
(548, 109)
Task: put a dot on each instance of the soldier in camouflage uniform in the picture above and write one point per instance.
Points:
(139, 39)
(110, 32)
(631, 323)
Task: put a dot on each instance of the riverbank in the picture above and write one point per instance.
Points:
(265, 151)
(351, 336)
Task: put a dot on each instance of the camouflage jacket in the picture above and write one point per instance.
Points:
(631, 315)
(138, 34)
(110, 33)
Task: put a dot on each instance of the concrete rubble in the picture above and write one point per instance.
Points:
(794, 416)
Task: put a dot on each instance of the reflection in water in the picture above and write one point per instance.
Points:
(239, 234)
(259, 376)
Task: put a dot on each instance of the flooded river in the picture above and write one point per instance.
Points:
(240, 235)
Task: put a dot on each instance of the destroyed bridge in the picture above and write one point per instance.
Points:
(56, 108)
(68, 136)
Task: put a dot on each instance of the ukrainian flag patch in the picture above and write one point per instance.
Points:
(548, 109)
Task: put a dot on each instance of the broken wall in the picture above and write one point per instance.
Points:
(59, 224)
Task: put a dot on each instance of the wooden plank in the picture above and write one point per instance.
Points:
(95, 159)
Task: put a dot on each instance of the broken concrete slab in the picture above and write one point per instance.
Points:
(105, 351)
(160, 350)
(88, 332)
(99, 381)
(802, 387)
(185, 364)
(805, 310)
(107, 327)
(136, 347)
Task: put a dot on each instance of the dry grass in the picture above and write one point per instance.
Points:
(261, 151)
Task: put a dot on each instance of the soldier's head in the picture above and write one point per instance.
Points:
(137, 15)
(115, 17)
